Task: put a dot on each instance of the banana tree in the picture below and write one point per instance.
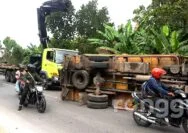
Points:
(125, 39)
(144, 42)
(109, 37)
(167, 42)
(120, 39)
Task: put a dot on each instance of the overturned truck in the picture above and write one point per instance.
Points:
(122, 74)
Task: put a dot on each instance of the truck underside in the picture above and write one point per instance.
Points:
(123, 74)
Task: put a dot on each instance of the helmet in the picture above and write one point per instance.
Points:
(31, 68)
(158, 72)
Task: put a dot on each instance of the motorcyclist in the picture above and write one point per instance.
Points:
(29, 82)
(154, 87)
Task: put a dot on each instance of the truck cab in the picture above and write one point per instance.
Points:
(50, 63)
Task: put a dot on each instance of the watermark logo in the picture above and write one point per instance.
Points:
(162, 107)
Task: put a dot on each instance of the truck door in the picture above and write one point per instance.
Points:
(49, 67)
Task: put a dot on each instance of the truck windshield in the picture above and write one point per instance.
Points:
(60, 55)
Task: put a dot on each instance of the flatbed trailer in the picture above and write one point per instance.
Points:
(9, 71)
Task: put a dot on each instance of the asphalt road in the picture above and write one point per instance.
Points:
(65, 117)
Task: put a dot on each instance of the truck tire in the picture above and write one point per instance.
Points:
(103, 65)
(12, 77)
(98, 58)
(7, 76)
(80, 79)
(97, 98)
(97, 105)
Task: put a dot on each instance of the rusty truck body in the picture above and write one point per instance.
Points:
(122, 73)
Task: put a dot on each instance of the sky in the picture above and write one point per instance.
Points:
(18, 18)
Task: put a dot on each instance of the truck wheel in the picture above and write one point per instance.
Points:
(98, 58)
(12, 77)
(97, 105)
(80, 79)
(97, 98)
(7, 76)
(99, 65)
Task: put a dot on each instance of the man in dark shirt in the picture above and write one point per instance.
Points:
(29, 78)
(154, 87)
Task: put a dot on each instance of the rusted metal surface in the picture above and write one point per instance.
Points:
(179, 59)
(136, 67)
(175, 69)
(125, 73)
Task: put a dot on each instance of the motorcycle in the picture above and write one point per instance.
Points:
(163, 112)
(34, 96)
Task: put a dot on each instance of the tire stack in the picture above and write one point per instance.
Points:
(97, 101)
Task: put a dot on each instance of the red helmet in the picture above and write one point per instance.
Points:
(158, 72)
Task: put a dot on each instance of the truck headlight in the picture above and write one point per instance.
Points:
(56, 78)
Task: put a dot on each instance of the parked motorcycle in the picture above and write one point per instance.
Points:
(34, 96)
(163, 112)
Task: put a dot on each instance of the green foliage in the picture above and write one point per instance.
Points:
(163, 12)
(89, 19)
(61, 24)
(15, 54)
(144, 41)
(79, 43)
(166, 22)
(31, 50)
(71, 31)
(13, 51)
(141, 41)
(169, 42)
(109, 37)
(125, 39)
(83, 46)
(161, 28)
(120, 39)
